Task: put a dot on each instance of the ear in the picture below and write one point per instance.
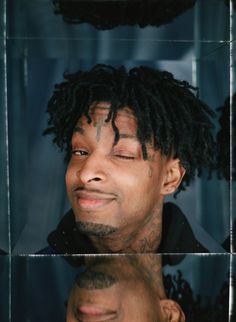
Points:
(173, 176)
(171, 311)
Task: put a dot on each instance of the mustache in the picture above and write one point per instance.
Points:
(89, 190)
(93, 280)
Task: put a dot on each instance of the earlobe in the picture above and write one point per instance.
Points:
(174, 175)
(171, 311)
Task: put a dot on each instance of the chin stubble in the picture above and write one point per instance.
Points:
(98, 230)
(92, 280)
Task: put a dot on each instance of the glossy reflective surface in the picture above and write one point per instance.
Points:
(36, 47)
(99, 286)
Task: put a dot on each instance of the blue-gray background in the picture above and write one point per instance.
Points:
(42, 284)
(40, 47)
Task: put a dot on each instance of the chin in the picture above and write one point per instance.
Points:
(95, 229)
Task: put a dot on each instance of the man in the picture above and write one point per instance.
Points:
(122, 288)
(131, 138)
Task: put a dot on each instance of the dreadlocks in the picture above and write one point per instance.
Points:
(167, 111)
(103, 14)
(223, 140)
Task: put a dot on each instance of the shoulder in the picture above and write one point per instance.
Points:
(177, 234)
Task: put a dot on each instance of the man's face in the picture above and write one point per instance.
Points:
(110, 187)
(113, 291)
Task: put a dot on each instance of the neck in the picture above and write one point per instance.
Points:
(150, 266)
(146, 239)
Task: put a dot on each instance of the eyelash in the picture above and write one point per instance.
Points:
(125, 157)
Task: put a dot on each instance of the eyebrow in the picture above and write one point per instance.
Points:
(78, 129)
(128, 136)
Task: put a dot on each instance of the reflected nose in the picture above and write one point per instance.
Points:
(92, 170)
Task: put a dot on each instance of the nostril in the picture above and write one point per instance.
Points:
(95, 179)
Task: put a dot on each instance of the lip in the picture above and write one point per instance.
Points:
(88, 313)
(90, 200)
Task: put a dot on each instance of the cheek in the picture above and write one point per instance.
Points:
(139, 191)
(141, 183)
(69, 314)
(70, 176)
(130, 184)
(70, 317)
(142, 192)
(67, 178)
(140, 308)
(156, 177)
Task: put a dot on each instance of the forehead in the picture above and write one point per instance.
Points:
(98, 112)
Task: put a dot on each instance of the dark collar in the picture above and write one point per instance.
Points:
(177, 235)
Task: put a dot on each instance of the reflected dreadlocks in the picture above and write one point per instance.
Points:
(168, 112)
(223, 140)
(103, 14)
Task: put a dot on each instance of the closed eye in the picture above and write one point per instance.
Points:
(126, 157)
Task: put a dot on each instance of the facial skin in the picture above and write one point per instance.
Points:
(120, 289)
(116, 196)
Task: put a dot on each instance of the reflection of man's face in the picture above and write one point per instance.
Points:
(109, 292)
(110, 187)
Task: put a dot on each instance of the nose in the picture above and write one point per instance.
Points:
(92, 170)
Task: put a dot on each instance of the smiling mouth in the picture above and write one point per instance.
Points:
(88, 313)
(90, 204)
(90, 201)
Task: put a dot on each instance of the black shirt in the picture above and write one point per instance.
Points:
(177, 236)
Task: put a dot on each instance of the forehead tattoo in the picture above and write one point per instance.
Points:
(150, 171)
(151, 158)
(98, 124)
